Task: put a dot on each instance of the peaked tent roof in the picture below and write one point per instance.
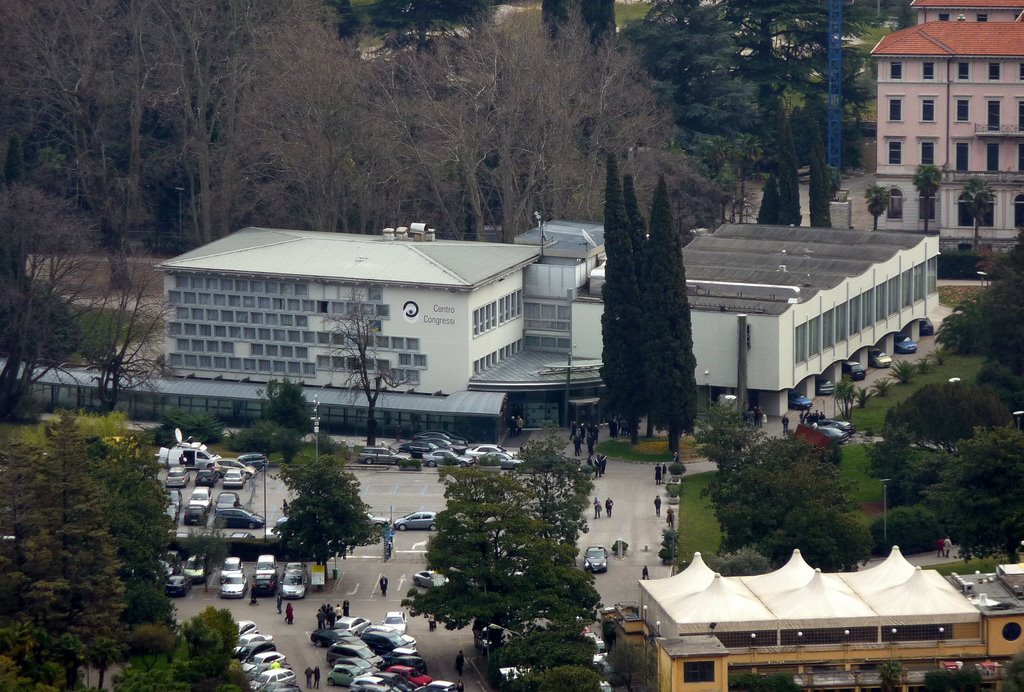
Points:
(795, 573)
(926, 593)
(826, 598)
(726, 601)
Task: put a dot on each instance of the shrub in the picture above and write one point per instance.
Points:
(199, 426)
(489, 460)
(958, 265)
(904, 371)
(410, 464)
(267, 437)
(746, 561)
(862, 394)
(676, 468)
(912, 528)
(882, 386)
(674, 489)
(620, 547)
(668, 542)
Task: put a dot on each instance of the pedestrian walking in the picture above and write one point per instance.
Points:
(344, 608)
(459, 687)
(645, 574)
(597, 508)
(657, 505)
(664, 472)
(572, 430)
(577, 444)
(675, 457)
(608, 504)
(309, 676)
(602, 461)
(383, 586)
(785, 424)
(279, 599)
(947, 544)
(289, 614)
(657, 474)
(940, 546)
(670, 517)
(320, 619)
(460, 662)
(316, 677)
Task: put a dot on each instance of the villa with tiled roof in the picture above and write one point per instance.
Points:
(971, 11)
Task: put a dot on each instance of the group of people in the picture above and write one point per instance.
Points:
(583, 433)
(608, 504)
(618, 428)
(811, 417)
(598, 463)
(756, 417)
(515, 426)
(661, 471)
(313, 677)
(943, 546)
(327, 615)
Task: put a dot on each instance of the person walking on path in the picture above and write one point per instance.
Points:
(657, 474)
(947, 544)
(657, 505)
(279, 599)
(664, 472)
(320, 619)
(645, 575)
(608, 504)
(316, 677)
(289, 614)
(670, 517)
(309, 677)
(460, 662)
(940, 546)
(597, 508)
(383, 586)
(577, 444)
(459, 687)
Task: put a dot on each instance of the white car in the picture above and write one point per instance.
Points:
(484, 450)
(233, 478)
(247, 627)
(202, 497)
(293, 584)
(354, 625)
(233, 585)
(253, 638)
(263, 661)
(178, 477)
(232, 564)
(395, 619)
(275, 675)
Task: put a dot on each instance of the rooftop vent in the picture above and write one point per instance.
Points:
(417, 230)
(388, 234)
(401, 233)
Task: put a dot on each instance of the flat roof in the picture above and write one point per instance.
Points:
(363, 259)
(566, 238)
(536, 369)
(694, 645)
(758, 269)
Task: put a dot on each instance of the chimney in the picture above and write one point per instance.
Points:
(388, 234)
(401, 233)
(416, 231)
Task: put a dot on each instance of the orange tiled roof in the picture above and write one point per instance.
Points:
(969, 4)
(956, 38)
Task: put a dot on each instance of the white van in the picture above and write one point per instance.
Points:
(266, 563)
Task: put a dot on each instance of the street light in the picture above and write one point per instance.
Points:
(885, 510)
(707, 382)
(316, 424)
(1017, 415)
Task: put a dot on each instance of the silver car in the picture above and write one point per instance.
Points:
(417, 520)
(293, 585)
(233, 585)
(177, 477)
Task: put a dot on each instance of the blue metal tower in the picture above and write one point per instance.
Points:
(835, 83)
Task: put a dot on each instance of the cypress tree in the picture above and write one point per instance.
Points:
(768, 214)
(671, 391)
(820, 182)
(620, 322)
(555, 13)
(599, 15)
(635, 220)
(14, 166)
(789, 182)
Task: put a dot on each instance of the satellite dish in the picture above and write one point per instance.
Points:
(177, 434)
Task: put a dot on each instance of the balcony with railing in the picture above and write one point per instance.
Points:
(993, 130)
(990, 177)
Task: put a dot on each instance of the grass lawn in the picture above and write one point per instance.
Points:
(872, 417)
(866, 490)
(629, 13)
(699, 529)
(652, 449)
(954, 295)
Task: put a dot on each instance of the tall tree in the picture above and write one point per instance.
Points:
(747, 151)
(622, 308)
(689, 49)
(788, 180)
(599, 15)
(939, 416)
(560, 487)
(14, 165)
(926, 179)
(671, 391)
(768, 213)
(327, 517)
(979, 203)
(420, 18)
(877, 197)
(821, 183)
(287, 406)
(555, 13)
(1001, 309)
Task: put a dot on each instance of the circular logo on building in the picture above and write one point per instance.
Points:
(411, 310)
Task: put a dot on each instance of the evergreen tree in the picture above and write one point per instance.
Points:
(622, 313)
(667, 337)
(768, 214)
(418, 18)
(14, 166)
(821, 182)
(789, 182)
(348, 23)
(555, 13)
(635, 221)
(599, 15)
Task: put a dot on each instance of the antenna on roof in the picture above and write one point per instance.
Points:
(540, 225)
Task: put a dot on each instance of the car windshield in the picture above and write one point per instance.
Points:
(293, 578)
(234, 579)
(595, 553)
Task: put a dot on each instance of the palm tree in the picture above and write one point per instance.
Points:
(101, 654)
(747, 151)
(926, 179)
(979, 202)
(878, 201)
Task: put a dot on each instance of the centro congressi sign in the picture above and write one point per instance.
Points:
(439, 316)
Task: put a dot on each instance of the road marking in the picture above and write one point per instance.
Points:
(400, 582)
(417, 546)
(356, 588)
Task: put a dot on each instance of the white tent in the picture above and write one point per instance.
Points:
(661, 596)
(826, 600)
(892, 571)
(728, 602)
(924, 598)
(795, 573)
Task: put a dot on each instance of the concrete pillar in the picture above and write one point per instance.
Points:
(741, 362)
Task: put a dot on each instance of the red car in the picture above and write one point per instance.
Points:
(411, 675)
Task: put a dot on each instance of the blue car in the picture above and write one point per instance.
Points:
(798, 401)
(904, 346)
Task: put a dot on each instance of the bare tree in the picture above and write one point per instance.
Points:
(45, 275)
(355, 353)
(124, 337)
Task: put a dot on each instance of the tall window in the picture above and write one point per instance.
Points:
(963, 70)
(1020, 115)
(992, 156)
(1020, 157)
(895, 70)
(964, 216)
(993, 115)
(928, 110)
(800, 343)
(895, 210)
(994, 71)
(963, 110)
(1018, 211)
(928, 70)
(895, 152)
(895, 109)
(927, 152)
(963, 150)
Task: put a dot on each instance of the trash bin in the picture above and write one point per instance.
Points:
(334, 573)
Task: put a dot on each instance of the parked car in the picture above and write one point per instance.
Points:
(246, 651)
(233, 585)
(596, 559)
(357, 664)
(261, 662)
(177, 585)
(238, 518)
(233, 478)
(207, 477)
(384, 639)
(877, 358)
(843, 426)
(226, 500)
(201, 496)
(417, 448)
(904, 346)
(457, 443)
(438, 686)
(223, 465)
(266, 563)
(854, 370)
(835, 435)
(824, 386)
(293, 584)
(483, 450)
(275, 675)
(247, 627)
(401, 657)
(351, 625)
(343, 674)
(395, 619)
(232, 564)
(177, 477)
(196, 515)
(194, 569)
(395, 681)
(174, 505)
(410, 674)
(378, 455)
(345, 649)
(426, 579)
(327, 637)
(417, 520)
(264, 584)
(447, 457)
(254, 459)
(926, 327)
(253, 637)
(798, 401)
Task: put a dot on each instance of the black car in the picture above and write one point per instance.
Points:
(854, 370)
(454, 438)
(254, 459)
(244, 653)
(417, 448)
(195, 515)
(264, 584)
(383, 642)
(238, 518)
(326, 637)
(927, 328)
(207, 477)
(177, 585)
(394, 658)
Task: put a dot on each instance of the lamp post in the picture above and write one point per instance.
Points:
(707, 382)
(1017, 415)
(316, 425)
(568, 377)
(982, 276)
(885, 510)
